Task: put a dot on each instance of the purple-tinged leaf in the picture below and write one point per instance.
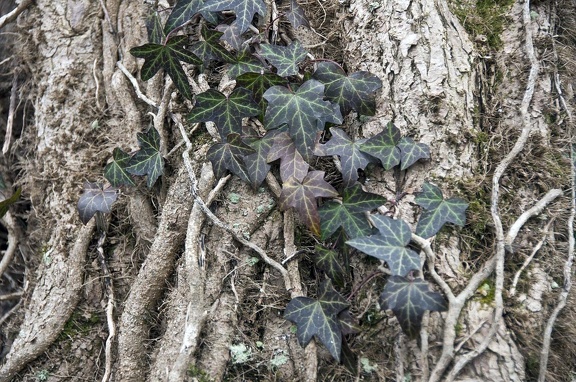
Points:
(291, 162)
(244, 10)
(302, 196)
(95, 199)
(296, 15)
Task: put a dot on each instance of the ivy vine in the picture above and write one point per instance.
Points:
(298, 110)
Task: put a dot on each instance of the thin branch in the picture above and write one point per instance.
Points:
(109, 288)
(11, 113)
(535, 210)
(529, 259)
(273, 263)
(14, 236)
(134, 82)
(11, 16)
(495, 196)
(547, 336)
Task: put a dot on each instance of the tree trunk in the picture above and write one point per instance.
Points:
(185, 300)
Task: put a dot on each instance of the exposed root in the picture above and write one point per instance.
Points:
(11, 16)
(14, 237)
(567, 286)
(149, 285)
(10, 122)
(52, 303)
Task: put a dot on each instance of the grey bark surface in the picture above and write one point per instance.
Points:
(186, 290)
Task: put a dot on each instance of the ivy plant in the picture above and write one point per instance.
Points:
(295, 108)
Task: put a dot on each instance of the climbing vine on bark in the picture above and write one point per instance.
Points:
(287, 107)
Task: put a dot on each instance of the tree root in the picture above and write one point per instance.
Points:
(149, 285)
(53, 301)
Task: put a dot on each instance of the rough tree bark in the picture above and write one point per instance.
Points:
(186, 290)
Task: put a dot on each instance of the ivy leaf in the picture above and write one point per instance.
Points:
(291, 162)
(284, 58)
(225, 112)
(438, 211)
(349, 152)
(256, 163)
(296, 15)
(411, 151)
(230, 156)
(156, 34)
(95, 199)
(168, 56)
(350, 213)
(209, 48)
(353, 92)
(183, 11)
(319, 318)
(148, 160)
(232, 36)
(383, 146)
(6, 203)
(409, 299)
(329, 261)
(258, 83)
(244, 10)
(299, 110)
(245, 62)
(302, 196)
(115, 171)
(389, 245)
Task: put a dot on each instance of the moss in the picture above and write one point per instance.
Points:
(483, 18)
(79, 324)
(486, 292)
(198, 374)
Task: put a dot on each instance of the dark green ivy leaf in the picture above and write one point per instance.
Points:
(256, 163)
(245, 62)
(209, 48)
(389, 245)
(95, 199)
(258, 83)
(329, 261)
(230, 156)
(244, 10)
(383, 146)
(319, 318)
(411, 151)
(115, 172)
(349, 152)
(438, 211)
(156, 34)
(300, 110)
(409, 300)
(284, 58)
(148, 160)
(168, 56)
(225, 112)
(296, 15)
(291, 162)
(350, 213)
(302, 196)
(6, 203)
(183, 11)
(354, 92)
